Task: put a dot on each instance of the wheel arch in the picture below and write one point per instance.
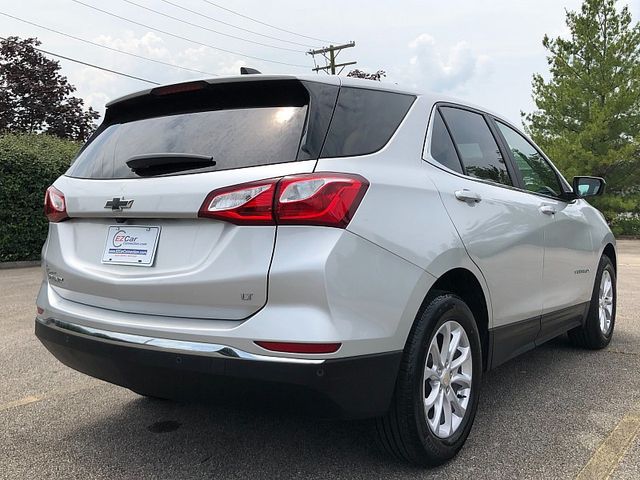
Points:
(610, 251)
(465, 284)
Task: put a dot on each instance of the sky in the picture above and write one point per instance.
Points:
(478, 50)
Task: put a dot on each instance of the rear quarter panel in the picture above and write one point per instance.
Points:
(402, 211)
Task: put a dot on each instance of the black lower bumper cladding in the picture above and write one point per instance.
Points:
(356, 387)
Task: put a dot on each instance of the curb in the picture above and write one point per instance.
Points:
(23, 264)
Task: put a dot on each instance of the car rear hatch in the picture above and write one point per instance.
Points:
(134, 242)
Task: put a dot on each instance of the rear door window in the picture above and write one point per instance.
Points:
(478, 149)
(442, 148)
(364, 121)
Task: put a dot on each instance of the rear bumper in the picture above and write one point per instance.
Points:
(354, 387)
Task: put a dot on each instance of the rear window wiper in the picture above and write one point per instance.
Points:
(151, 164)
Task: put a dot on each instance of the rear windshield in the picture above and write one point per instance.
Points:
(235, 138)
(238, 125)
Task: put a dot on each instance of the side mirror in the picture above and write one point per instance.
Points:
(588, 186)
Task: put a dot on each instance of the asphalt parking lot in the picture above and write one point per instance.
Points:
(556, 412)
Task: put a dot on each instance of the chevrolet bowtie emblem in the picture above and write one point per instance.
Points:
(118, 204)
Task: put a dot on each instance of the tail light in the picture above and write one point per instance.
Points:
(319, 199)
(328, 199)
(55, 206)
(246, 204)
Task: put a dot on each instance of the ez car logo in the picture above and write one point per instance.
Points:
(121, 237)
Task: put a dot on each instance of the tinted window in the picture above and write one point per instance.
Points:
(364, 121)
(537, 174)
(478, 149)
(442, 149)
(235, 138)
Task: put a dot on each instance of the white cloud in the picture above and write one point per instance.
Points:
(97, 100)
(98, 87)
(192, 55)
(231, 68)
(93, 86)
(153, 46)
(441, 62)
(149, 44)
(432, 70)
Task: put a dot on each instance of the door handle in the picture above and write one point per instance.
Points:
(465, 195)
(547, 210)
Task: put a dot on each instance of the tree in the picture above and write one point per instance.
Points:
(377, 76)
(35, 97)
(588, 111)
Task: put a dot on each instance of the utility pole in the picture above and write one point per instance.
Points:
(330, 53)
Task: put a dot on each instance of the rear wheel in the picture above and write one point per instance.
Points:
(597, 330)
(438, 385)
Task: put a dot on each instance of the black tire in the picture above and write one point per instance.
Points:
(590, 334)
(403, 431)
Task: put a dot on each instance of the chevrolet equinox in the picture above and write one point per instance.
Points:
(372, 247)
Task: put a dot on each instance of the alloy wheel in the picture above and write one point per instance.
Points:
(605, 302)
(446, 386)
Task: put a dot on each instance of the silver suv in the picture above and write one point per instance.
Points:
(369, 247)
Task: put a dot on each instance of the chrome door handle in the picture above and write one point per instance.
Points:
(547, 210)
(465, 195)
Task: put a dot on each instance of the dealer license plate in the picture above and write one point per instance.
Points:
(131, 245)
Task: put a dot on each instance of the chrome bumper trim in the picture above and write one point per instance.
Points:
(168, 345)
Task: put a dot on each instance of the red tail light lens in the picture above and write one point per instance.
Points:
(246, 204)
(328, 199)
(55, 206)
(289, 347)
(319, 199)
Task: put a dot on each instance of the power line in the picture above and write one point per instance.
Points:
(235, 26)
(265, 23)
(185, 38)
(89, 64)
(209, 29)
(84, 40)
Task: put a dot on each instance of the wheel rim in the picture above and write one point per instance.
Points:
(446, 385)
(605, 302)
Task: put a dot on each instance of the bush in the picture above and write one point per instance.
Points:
(626, 224)
(29, 163)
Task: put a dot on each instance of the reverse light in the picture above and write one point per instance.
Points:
(327, 199)
(297, 191)
(55, 206)
(246, 204)
(319, 199)
(289, 347)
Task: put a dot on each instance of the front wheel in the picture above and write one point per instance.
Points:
(597, 330)
(438, 385)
